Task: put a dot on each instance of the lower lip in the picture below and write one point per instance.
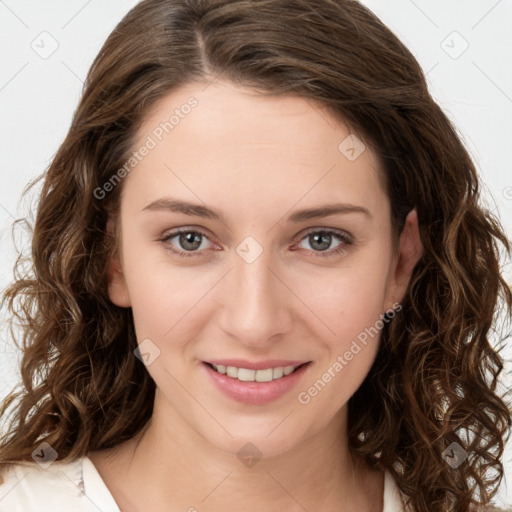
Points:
(255, 393)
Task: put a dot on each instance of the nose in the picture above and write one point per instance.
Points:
(256, 304)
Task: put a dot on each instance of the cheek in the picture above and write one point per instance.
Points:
(161, 294)
(348, 348)
(349, 303)
(349, 298)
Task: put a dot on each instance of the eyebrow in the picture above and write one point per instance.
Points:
(174, 205)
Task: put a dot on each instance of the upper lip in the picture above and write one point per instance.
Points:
(256, 365)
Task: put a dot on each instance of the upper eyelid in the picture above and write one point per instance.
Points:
(339, 232)
(177, 231)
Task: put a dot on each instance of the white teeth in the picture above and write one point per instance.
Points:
(288, 369)
(263, 375)
(278, 372)
(247, 375)
(232, 372)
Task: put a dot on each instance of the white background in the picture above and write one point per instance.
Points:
(39, 92)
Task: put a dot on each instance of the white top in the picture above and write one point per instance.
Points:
(78, 487)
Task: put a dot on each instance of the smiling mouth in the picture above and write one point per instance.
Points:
(248, 375)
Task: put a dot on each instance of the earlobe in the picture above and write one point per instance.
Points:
(410, 250)
(117, 288)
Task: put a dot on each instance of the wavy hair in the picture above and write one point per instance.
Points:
(435, 378)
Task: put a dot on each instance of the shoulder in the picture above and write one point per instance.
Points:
(30, 487)
(393, 499)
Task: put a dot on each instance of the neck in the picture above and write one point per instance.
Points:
(181, 468)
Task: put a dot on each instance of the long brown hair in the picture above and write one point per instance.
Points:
(434, 381)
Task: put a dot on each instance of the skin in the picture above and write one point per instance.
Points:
(256, 160)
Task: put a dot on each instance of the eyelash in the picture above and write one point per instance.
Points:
(346, 240)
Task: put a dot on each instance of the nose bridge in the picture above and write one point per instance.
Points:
(255, 306)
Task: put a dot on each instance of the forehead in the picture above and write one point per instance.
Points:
(219, 141)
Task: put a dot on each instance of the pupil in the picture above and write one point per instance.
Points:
(318, 237)
(190, 241)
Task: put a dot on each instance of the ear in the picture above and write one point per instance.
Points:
(117, 288)
(410, 250)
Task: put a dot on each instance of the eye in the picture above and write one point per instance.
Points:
(321, 242)
(189, 242)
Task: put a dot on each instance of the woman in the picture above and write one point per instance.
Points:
(262, 279)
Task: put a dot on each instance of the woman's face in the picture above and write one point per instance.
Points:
(261, 277)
